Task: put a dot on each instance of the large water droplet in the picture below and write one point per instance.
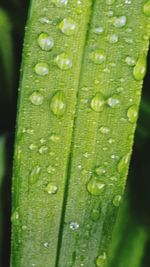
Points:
(41, 68)
(74, 225)
(132, 113)
(101, 260)
(36, 98)
(51, 188)
(63, 61)
(117, 200)
(45, 41)
(146, 8)
(58, 103)
(139, 70)
(122, 165)
(97, 102)
(34, 175)
(113, 101)
(120, 22)
(60, 3)
(95, 186)
(68, 26)
(97, 56)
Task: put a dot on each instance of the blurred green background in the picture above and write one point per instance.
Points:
(13, 15)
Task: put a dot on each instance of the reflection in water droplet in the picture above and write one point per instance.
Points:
(146, 8)
(74, 225)
(117, 200)
(98, 30)
(68, 26)
(97, 102)
(63, 61)
(139, 70)
(95, 186)
(130, 61)
(113, 38)
(97, 56)
(41, 68)
(101, 260)
(132, 113)
(36, 98)
(51, 188)
(120, 22)
(45, 41)
(113, 101)
(58, 104)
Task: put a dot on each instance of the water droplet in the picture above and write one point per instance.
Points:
(74, 225)
(43, 149)
(60, 3)
(58, 103)
(104, 130)
(95, 186)
(15, 217)
(51, 188)
(130, 61)
(146, 8)
(110, 2)
(68, 26)
(122, 165)
(101, 260)
(111, 141)
(120, 22)
(113, 101)
(42, 140)
(113, 38)
(100, 170)
(97, 102)
(54, 138)
(117, 200)
(119, 89)
(41, 68)
(95, 214)
(32, 146)
(63, 61)
(36, 98)
(98, 30)
(50, 169)
(132, 113)
(139, 70)
(46, 244)
(97, 56)
(34, 175)
(45, 41)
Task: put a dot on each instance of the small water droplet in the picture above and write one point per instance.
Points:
(100, 170)
(41, 68)
(95, 186)
(117, 200)
(50, 169)
(63, 61)
(45, 41)
(130, 61)
(74, 225)
(113, 101)
(68, 26)
(98, 30)
(97, 56)
(119, 89)
(146, 8)
(110, 2)
(15, 217)
(122, 165)
(32, 146)
(113, 38)
(36, 98)
(58, 104)
(34, 175)
(132, 113)
(120, 22)
(104, 130)
(111, 141)
(60, 3)
(51, 188)
(139, 70)
(43, 149)
(95, 214)
(46, 244)
(54, 138)
(97, 102)
(101, 260)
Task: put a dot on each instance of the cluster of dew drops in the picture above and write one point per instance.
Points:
(68, 27)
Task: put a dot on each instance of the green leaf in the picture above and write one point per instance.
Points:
(82, 72)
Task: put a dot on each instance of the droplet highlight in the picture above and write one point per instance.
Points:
(74, 225)
(120, 22)
(97, 56)
(139, 70)
(60, 3)
(117, 200)
(36, 98)
(123, 163)
(45, 42)
(63, 61)
(132, 113)
(68, 26)
(51, 188)
(41, 68)
(95, 186)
